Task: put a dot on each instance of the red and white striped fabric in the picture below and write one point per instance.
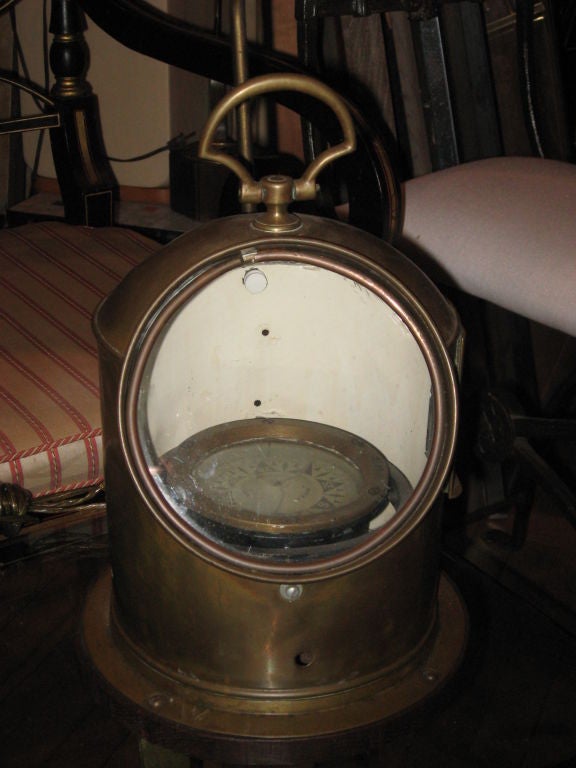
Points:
(52, 277)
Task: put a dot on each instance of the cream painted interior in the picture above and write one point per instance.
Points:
(335, 353)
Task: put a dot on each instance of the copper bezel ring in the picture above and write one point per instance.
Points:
(373, 466)
(378, 281)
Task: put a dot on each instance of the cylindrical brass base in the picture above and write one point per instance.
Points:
(204, 722)
(208, 635)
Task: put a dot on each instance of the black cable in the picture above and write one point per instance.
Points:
(40, 142)
(19, 60)
(178, 144)
(37, 153)
(16, 172)
(525, 38)
(218, 17)
(45, 53)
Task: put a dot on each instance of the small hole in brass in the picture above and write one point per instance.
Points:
(304, 659)
(257, 403)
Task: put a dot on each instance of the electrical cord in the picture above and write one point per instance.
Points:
(18, 58)
(19, 64)
(526, 66)
(177, 144)
(45, 56)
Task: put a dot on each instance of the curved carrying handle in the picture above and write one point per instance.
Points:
(304, 188)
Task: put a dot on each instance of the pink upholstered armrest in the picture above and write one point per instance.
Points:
(502, 229)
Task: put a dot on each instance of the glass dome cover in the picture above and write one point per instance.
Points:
(249, 428)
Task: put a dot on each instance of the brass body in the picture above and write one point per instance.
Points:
(210, 639)
(213, 632)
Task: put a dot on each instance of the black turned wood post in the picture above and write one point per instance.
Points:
(87, 182)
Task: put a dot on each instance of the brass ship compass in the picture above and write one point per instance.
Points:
(279, 410)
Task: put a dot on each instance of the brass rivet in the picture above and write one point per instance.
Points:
(291, 592)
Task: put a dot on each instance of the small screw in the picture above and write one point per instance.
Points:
(159, 700)
(430, 675)
(291, 592)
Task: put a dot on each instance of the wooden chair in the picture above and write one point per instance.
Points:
(496, 228)
(52, 276)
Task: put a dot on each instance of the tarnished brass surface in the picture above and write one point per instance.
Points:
(229, 240)
(129, 307)
(308, 712)
(208, 636)
(303, 188)
(230, 630)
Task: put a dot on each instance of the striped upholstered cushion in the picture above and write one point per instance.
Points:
(52, 276)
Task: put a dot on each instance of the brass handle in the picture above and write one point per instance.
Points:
(304, 188)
